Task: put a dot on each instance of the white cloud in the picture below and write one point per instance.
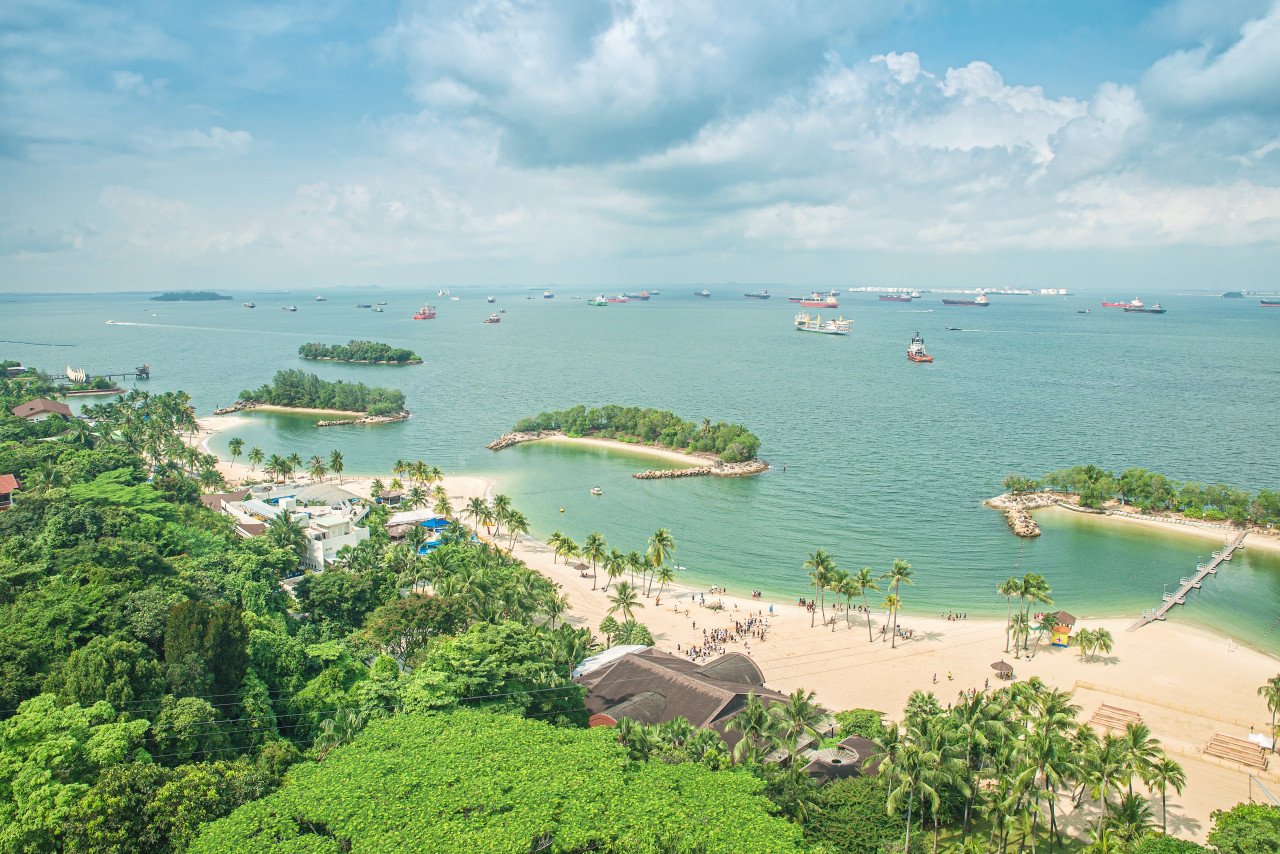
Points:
(216, 140)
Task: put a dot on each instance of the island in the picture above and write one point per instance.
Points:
(190, 296)
(360, 353)
(1137, 494)
(298, 391)
(720, 449)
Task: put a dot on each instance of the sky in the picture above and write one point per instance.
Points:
(1081, 144)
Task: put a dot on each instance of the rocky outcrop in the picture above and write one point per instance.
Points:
(718, 469)
(1017, 510)
(365, 420)
(235, 407)
(506, 440)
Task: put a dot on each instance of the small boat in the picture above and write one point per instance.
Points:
(1155, 308)
(288, 308)
(595, 490)
(443, 292)
(702, 293)
(1084, 311)
(378, 307)
(502, 311)
(249, 304)
(454, 298)
(379, 303)
(655, 293)
(915, 350)
(493, 318)
(895, 298)
(757, 295)
(915, 295)
(619, 298)
(489, 299)
(1269, 303)
(600, 300)
(547, 295)
(364, 305)
(111, 323)
(980, 301)
(807, 323)
(322, 299)
(954, 329)
(427, 312)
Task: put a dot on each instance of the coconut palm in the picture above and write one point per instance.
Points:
(624, 600)
(661, 547)
(1019, 629)
(757, 727)
(1104, 769)
(1131, 819)
(666, 574)
(517, 526)
(295, 463)
(1032, 589)
(235, 447)
(866, 580)
(283, 533)
(478, 509)
(376, 488)
(609, 627)
(1102, 641)
(615, 563)
(396, 485)
(336, 465)
(501, 510)
(316, 468)
(443, 506)
(636, 563)
(255, 457)
(796, 718)
(900, 572)
(1270, 692)
(820, 566)
(892, 602)
(1083, 639)
(1162, 775)
(1008, 589)
(906, 771)
(1142, 750)
(594, 548)
(416, 497)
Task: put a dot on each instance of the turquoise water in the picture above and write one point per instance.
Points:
(874, 457)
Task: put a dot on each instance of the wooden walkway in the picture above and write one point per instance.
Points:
(1186, 585)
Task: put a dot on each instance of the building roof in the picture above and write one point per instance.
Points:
(863, 748)
(651, 687)
(324, 493)
(833, 763)
(9, 483)
(331, 520)
(214, 499)
(1062, 618)
(39, 406)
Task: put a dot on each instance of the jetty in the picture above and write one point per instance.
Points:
(1189, 583)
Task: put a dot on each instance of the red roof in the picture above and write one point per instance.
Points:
(9, 483)
(39, 405)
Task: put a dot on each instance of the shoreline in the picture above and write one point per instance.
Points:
(358, 361)
(1256, 539)
(693, 464)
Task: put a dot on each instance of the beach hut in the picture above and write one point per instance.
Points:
(1003, 669)
(1063, 623)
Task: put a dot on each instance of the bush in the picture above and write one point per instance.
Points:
(852, 818)
(867, 723)
(1158, 843)
(1246, 829)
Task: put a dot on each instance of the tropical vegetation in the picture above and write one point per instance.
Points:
(300, 389)
(363, 352)
(731, 442)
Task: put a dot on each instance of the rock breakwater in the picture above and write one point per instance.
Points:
(364, 420)
(1017, 510)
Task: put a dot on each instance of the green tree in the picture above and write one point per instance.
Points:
(256, 456)
(316, 468)
(661, 547)
(188, 730)
(900, 572)
(1270, 693)
(205, 649)
(624, 600)
(235, 447)
(1009, 588)
(594, 549)
(119, 670)
(866, 580)
(821, 566)
(1246, 829)
(1165, 774)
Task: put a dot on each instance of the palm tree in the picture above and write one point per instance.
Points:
(624, 600)
(294, 461)
(609, 627)
(615, 563)
(235, 447)
(636, 563)
(905, 770)
(501, 510)
(1270, 692)
(415, 498)
(336, 464)
(554, 540)
(757, 727)
(1033, 588)
(255, 457)
(1131, 819)
(892, 602)
(866, 580)
(419, 472)
(1020, 628)
(283, 533)
(665, 576)
(395, 485)
(478, 509)
(1102, 641)
(842, 585)
(900, 572)
(1083, 638)
(1010, 588)
(820, 566)
(517, 526)
(443, 506)
(661, 546)
(377, 487)
(1103, 769)
(797, 717)
(1162, 775)
(316, 468)
(1142, 750)
(594, 548)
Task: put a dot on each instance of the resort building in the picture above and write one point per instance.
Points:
(652, 687)
(328, 515)
(40, 409)
(8, 486)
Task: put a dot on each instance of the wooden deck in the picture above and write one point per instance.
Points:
(1187, 584)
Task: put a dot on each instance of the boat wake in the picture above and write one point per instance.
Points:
(203, 328)
(34, 343)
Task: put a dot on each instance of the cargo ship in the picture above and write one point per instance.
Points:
(814, 323)
(600, 300)
(980, 300)
(643, 295)
(427, 312)
(1142, 309)
(619, 298)
(1269, 303)
(757, 295)
(915, 350)
(1135, 303)
(895, 298)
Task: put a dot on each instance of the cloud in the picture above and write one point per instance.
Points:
(133, 83)
(216, 140)
(1242, 77)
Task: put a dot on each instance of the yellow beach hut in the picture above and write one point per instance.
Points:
(1063, 623)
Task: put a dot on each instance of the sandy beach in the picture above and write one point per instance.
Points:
(614, 445)
(1258, 538)
(1185, 682)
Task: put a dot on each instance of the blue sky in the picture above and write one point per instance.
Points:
(1079, 144)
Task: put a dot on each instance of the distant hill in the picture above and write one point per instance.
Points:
(190, 296)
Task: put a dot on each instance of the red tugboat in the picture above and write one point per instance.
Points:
(915, 350)
(425, 313)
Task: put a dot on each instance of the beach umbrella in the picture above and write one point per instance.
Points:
(1002, 667)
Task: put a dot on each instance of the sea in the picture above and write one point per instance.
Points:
(873, 457)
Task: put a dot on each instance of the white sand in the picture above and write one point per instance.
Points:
(667, 454)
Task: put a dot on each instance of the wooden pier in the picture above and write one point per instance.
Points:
(1187, 584)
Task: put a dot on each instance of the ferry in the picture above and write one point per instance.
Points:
(981, 300)
(548, 295)
(427, 312)
(1155, 308)
(249, 304)
(322, 299)
(1269, 303)
(757, 295)
(895, 298)
(600, 300)
(702, 293)
(288, 308)
(493, 318)
(814, 323)
(619, 298)
(489, 299)
(915, 350)
(643, 295)
(1137, 303)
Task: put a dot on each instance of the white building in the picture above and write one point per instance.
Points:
(330, 523)
(329, 533)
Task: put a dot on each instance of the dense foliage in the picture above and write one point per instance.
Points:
(732, 442)
(852, 818)
(1246, 829)
(427, 783)
(1151, 491)
(190, 296)
(298, 388)
(373, 352)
